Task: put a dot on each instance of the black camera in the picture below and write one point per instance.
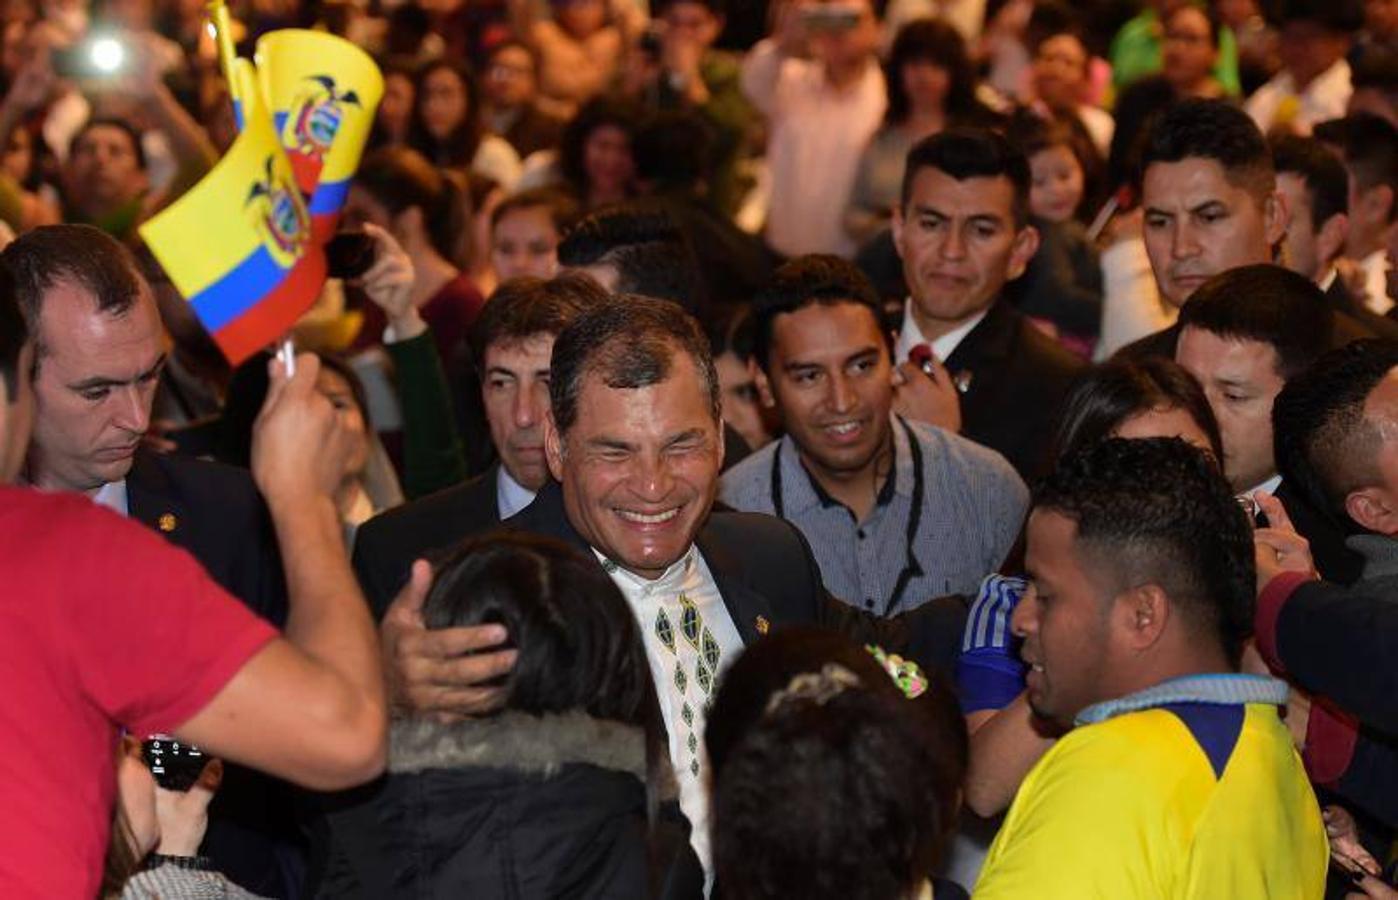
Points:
(349, 254)
(175, 765)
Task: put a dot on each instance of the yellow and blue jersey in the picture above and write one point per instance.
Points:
(1180, 800)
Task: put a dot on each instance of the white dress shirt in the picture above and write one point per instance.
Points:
(816, 135)
(1375, 267)
(943, 347)
(113, 496)
(510, 495)
(691, 576)
(1279, 103)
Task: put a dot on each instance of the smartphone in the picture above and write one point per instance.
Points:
(651, 43)
(830, 16)
(175, 765)
(95, 57)
(349, 254)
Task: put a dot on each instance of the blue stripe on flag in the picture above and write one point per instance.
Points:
(329, 197)
(238, 290)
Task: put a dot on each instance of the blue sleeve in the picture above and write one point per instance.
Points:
(989, 673)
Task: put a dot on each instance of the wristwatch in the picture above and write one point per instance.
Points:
(193, 863)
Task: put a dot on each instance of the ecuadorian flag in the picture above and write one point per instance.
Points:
(323, 92)
(238, 245)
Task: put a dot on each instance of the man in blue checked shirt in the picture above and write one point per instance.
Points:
(897, 512)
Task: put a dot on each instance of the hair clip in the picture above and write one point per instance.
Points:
(817, 687)
(904, 672)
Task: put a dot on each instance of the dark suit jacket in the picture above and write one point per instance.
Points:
(215, 512)
(1326, 534)
(1018, 376)
(768, 578)
(387, 544)
(1375, 325)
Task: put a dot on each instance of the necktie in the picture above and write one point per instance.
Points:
(695, 661)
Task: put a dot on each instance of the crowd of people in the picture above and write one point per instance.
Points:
(888, 449)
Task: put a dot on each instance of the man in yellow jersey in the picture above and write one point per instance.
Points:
(1179, 779)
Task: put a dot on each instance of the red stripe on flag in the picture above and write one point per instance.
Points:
(306, 170)
(272, 317)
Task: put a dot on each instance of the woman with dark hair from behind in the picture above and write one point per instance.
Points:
(551, 796)
(836, 773)
(1149, 398)
(448, 125)
(1152, 397)
(931, 87)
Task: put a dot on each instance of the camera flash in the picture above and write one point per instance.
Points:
(107, 54)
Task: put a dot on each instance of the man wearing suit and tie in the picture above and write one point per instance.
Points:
(100, 349)
(633, 441)
(963, 231)
(512, 341)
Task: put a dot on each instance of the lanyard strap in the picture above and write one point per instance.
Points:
(911, 567)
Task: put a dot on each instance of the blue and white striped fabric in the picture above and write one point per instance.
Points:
(988, 622)
(989, 673)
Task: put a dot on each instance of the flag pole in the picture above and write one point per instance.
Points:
(223, 39)
(222, 25)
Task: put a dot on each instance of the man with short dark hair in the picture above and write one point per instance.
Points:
(1179, 778)
(512, 343)
(1335, 427)
(99, 352)
(630, 249)
(1316, 187)
(897, 512)
(1369, 147)
(1243, 334)
(962, 231)
(640, 248)
(1210, 203)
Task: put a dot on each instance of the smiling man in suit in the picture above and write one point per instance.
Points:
(962, 230)
(633, 441)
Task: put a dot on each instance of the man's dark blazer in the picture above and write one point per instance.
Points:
(1017, 379)
(768, 578)
(387, 544)
(1340, 299)
(215, 512)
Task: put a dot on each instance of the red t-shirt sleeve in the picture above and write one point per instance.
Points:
(153, 636)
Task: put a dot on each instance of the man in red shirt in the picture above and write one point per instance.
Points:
(103, 625)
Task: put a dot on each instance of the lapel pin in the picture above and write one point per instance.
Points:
(166, 522)
(762, 625)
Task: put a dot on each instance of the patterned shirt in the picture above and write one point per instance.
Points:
(690, 639)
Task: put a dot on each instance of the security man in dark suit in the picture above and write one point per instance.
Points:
(633, 439)
(969, 361)
(101, 348)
